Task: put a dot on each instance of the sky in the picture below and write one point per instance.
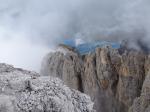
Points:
(29, 29)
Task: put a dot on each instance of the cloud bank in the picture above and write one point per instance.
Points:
(19, 51)
(30, 28)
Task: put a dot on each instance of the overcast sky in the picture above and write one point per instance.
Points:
(30, 28)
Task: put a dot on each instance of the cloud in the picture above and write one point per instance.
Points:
(51, 21)
(29, 28)
(18, 50)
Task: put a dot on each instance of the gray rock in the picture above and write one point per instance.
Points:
(142, 103)
(25, 91)
(66, 65)
(112, 80)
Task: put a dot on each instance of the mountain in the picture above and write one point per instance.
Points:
(116, 82)
(26, 91)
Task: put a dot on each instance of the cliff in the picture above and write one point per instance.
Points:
(116, 81)
(26, 91)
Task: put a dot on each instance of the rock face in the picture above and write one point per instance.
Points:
(142, 103)
(66, 65)
(25, 91)
(113, 80)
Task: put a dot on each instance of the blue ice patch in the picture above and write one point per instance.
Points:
(90, 47)
(70, 42)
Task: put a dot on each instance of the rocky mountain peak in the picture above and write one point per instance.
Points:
(112, 79)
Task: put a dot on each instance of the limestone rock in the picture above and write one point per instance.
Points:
(112, 79)
(66, 65)
(142, 103)
(131, 77)
(25, 91)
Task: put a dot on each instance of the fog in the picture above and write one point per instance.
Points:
(21, 52)
(31, 28)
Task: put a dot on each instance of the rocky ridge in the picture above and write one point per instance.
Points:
(115, 81)
(25, 91)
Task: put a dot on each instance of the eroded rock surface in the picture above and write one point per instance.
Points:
(112, 79)
(66, 65)
(25, 91)
(142, 103)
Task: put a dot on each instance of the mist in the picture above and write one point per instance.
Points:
(21, 52)
(31, 28)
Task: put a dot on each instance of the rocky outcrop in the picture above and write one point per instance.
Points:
(131, 77)
(66, 65)
(25, 91)
(142, 103)
(112, 79)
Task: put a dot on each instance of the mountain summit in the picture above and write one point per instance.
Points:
(116, 82)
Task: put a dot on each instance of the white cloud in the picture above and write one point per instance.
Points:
(20, 51)
(28, 28)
